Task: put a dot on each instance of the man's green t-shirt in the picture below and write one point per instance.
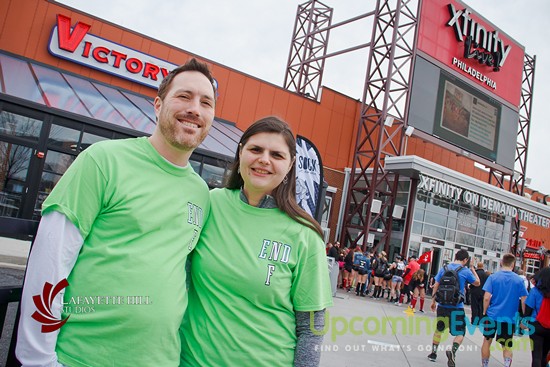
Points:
(140, 216)
(251, 270)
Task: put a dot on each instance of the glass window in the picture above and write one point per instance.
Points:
(450, 235)
(63, 137)
(465, 238)
(132, 116)
(58, 93)
(451, 223)
(196, 165)
(419, 215)
(213, 175)
(18, 79)
(402, 198)
(433, 231)
(55, 165)
(89, 139)
(417, 227)
(435, 218)
(94, 101)
(21, 126)
(326, 210)
(420, 201)
(14, 164)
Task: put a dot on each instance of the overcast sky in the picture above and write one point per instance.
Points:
(253, 36)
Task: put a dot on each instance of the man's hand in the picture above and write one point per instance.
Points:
(433, 307)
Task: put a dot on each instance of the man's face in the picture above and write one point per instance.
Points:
(186, 113)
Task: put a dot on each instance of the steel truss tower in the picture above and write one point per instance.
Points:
(384, 111)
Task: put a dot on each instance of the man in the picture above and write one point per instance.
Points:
(476, 295)
(411, 268)
(500, 304)
(334, 250)
(452, 314)
(118, 227)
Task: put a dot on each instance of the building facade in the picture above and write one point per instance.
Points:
(72, 79)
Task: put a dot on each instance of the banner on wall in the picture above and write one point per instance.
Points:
(309, 176)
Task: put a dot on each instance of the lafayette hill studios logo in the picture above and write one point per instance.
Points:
(43, 303)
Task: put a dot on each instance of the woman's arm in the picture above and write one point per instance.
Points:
(310, 329)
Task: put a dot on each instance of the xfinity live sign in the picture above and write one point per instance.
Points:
(479, 43)
(457, 193)
(75, 44)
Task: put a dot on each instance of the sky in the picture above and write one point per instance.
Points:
(254, 37)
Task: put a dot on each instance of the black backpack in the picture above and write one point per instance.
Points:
(448, 293)
(381, 267)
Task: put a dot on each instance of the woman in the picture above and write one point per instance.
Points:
(348, 270)
(418, 286)
(539, 334)
(355, 267)
(260, 267)
(398, 267)
(380, 267)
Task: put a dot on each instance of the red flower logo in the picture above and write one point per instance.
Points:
(43, 305)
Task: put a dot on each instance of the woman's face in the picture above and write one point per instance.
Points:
(264, 162)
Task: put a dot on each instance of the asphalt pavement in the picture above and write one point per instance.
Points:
(361, 331)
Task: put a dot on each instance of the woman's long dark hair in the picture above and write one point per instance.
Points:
(542, 281)
(284, 194)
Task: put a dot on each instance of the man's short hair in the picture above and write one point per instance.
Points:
(191, 65)
(480, 265)
(462, 255)
(508, 260)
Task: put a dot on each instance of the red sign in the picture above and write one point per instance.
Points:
(453, 34)
(532, 255)
(533, 244)
(78, 45)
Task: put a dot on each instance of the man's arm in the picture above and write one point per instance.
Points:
(53, 255)
(486, 302)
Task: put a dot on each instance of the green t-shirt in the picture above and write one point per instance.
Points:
(251, 270)
(140, 216)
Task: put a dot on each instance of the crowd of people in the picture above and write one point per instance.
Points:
(503, 304)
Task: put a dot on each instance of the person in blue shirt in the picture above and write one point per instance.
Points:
(452, 316)
(500, 305)
(540, 336)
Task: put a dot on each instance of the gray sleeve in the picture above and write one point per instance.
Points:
(310, 338)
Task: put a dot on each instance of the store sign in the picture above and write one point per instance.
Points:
(479, 44)
(471, 48)
(452, 192)
(77, 45)
(533, 244)
(532, 255)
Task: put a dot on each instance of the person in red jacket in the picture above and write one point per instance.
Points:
(411, 268)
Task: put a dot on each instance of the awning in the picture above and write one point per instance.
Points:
(85, 97)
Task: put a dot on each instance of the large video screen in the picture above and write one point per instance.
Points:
(445, 106)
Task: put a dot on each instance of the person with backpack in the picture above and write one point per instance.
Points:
(476, 294)
(363, 268)
(398, 268)
(380, 266)
(537, 317)
(503, 289)
(448, 289)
